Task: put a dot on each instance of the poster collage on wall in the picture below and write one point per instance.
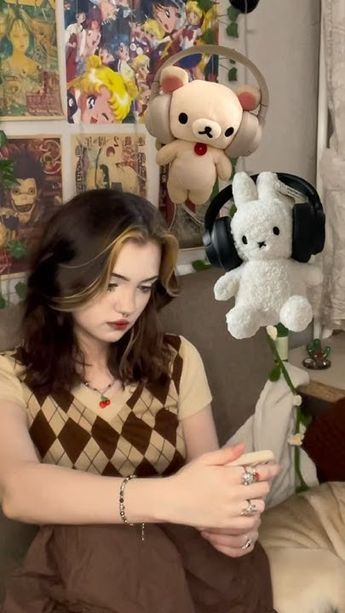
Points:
(111, 50)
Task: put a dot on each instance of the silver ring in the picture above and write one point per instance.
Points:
(247, 544)
(249, 510)
(249, 475)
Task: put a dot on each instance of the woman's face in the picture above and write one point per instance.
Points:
(19, 36)
(106, 318)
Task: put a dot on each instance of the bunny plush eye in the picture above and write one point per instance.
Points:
(244, 240)
(276, 230)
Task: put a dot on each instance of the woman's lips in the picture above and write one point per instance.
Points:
(119, 325)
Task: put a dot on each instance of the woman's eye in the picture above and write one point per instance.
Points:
(145, 288)
(91, 102)
(112, 286)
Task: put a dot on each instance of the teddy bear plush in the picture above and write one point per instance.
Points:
(204, 118)
(269, 287)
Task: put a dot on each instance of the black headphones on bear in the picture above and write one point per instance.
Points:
(308, 226)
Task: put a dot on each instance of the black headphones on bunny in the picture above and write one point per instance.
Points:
(308, 225)
(247, 138)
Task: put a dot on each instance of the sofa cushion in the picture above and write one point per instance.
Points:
(236, 369)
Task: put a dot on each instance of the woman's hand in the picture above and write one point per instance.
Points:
(209, 492)
(233, 543)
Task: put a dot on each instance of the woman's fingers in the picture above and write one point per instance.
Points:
(232, 545)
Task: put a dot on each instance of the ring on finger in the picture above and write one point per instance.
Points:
(249, 475)
(247, 544)
(249, 510)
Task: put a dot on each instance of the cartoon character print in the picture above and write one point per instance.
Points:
(133, 38)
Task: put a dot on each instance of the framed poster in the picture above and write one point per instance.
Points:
(29, 73)
(113, 49)
(28, 204)
(114, 161)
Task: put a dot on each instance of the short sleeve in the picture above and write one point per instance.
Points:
(11, 387)
(194, 393)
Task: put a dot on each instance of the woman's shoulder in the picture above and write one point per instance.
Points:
(11, 386)
(10, 362)
(180, 345)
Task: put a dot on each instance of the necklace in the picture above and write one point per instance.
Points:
(104, 401)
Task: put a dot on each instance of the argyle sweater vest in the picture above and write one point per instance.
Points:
(144, 437)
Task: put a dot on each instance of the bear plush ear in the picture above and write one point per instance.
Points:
(243, 188)
(249, 97)
(171, 78)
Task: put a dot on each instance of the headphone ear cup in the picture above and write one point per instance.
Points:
(157, 118)
(320, 231)
(247, 138)
(224, 245)
(303, 228)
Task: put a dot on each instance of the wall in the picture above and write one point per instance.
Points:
(283, 41)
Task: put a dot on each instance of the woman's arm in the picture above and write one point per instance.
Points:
(206, 492)
(200, 434)
(42, 493)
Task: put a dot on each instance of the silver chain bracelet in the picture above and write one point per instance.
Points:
(122, 505)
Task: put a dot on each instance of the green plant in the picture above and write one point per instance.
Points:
(7, 176)
(15, 249)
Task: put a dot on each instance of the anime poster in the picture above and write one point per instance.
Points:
(116, 161)
(29, 74)
(113, 49)
(26, 206)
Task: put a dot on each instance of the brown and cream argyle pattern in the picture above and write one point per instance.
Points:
(143, 438)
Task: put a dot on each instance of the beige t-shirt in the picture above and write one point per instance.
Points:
(194, 393)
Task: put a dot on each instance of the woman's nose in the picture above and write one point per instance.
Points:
(125, 302)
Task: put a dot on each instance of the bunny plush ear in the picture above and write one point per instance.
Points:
(268, 185)
(243, 188)
(171, 78)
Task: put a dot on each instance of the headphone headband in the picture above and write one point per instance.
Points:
(231, 54)
(290, 180)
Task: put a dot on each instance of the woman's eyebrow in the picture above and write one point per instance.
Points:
(113, 274)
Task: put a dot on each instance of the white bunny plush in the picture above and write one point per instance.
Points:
(269, 286)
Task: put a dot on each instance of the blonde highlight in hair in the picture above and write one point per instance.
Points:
(99, 285)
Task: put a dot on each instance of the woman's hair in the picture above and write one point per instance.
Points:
(72, 265)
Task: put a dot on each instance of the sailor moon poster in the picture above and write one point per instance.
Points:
(29, 74)
(113, 49)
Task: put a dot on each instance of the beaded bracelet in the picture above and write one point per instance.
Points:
(122, 505)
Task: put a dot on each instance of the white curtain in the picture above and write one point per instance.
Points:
(331, 308)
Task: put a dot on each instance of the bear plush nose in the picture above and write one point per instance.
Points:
(206, 129)
(262, 244)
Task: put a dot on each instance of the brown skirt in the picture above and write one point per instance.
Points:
(109, 569)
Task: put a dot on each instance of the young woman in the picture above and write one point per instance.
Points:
(97, 395)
